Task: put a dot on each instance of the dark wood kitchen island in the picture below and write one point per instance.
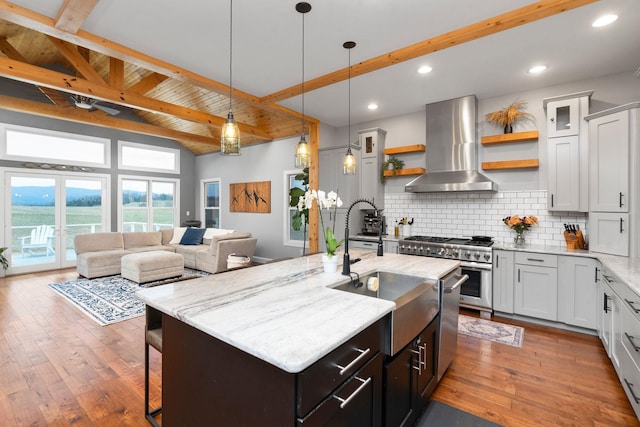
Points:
(275, 345)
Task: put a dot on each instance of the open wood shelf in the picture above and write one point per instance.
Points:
(405, 172)
(417, 148)
(510, 137)
(511, 164)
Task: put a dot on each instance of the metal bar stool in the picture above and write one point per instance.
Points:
(153, 338)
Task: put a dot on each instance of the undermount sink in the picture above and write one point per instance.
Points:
(416, 299)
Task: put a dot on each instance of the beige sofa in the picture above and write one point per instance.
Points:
(99, 254)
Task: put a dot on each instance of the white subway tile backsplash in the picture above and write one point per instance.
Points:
(467, 214)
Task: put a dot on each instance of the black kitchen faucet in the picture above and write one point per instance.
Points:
(346, 262)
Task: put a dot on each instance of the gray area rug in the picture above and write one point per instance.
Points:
(438, 414)
(490, 330)
(111, 299)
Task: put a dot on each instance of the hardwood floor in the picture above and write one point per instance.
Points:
(58, 367)
(557, 378)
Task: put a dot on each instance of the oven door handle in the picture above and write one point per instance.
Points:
(475, 266)
(461, 280)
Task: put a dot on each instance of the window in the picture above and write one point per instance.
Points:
(211, 203)
(147, 204)
(40, 145)
(148, 158)
(293, 237)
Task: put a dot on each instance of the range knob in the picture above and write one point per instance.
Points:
(441, 252)
(415, 248)
(428, 249)
(487, 257)
(421, 249)
(476, 255)
(455, 253)
(467, 254)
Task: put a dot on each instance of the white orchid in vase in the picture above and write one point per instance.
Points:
(324, 200)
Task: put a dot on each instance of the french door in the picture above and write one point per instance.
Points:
(44, 211)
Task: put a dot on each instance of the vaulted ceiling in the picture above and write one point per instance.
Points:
(168, 62)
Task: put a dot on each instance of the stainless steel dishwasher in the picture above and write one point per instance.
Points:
(449, 307)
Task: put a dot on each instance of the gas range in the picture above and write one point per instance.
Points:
(478, 250)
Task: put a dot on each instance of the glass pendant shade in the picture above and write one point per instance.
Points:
(303, 155)
(230, 138)
(349, 163)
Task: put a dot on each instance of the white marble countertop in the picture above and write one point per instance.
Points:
(627, 269)
(286, 313)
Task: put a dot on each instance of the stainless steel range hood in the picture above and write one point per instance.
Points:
(451, 149)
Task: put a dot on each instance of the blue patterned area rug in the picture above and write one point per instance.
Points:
(111, 299)
(489, 330)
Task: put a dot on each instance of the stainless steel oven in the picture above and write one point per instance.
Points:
(475, 257)
(476, 292)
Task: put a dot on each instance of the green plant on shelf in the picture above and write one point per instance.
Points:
(395, 163)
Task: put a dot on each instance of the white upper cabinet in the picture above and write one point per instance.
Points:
(371, 158)
(563, 118)
(609, 165)
(568, 152)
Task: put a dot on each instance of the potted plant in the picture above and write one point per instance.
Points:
(395, 164)
(3, 260)
(508, 116)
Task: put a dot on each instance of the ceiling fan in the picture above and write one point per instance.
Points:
(87, 103)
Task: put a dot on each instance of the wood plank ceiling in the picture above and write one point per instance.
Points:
(61, 59)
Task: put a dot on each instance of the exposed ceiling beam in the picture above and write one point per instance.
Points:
(55, 96)
(147, 83)
(78, 60)
(524, 15)
(86, 117)
(40, 76)
(73, 13)
(45, 25)
(116, 73)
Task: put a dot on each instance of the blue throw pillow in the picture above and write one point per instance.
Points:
(192, 236)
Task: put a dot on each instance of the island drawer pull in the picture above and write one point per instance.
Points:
(345, 402)
(363, 354)
(419, 367)
(630, 338)
(630, 303)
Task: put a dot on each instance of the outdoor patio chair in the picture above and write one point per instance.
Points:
(41, 238)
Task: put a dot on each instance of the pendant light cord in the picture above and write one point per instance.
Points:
(302, 131)
(230, 52)
(349, 112)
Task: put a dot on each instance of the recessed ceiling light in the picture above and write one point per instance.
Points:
(372, 106)
(537, 69)
(425, 69)
(604, 20)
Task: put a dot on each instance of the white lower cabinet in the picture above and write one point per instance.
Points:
(619, 330)
(577, 291)
(503, 281)
(535, 291)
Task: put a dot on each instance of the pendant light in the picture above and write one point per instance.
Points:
(303, 154)
(349, 162)
(230, 135)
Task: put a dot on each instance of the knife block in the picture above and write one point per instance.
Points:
(574, 240)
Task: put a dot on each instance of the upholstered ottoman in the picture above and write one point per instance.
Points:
(145, 267)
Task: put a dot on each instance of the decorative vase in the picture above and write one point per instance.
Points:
(508, 129)
(519, 239)
(330, 264)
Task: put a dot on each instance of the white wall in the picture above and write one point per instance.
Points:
(521, 192)
(262, 162)
(455, 214)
